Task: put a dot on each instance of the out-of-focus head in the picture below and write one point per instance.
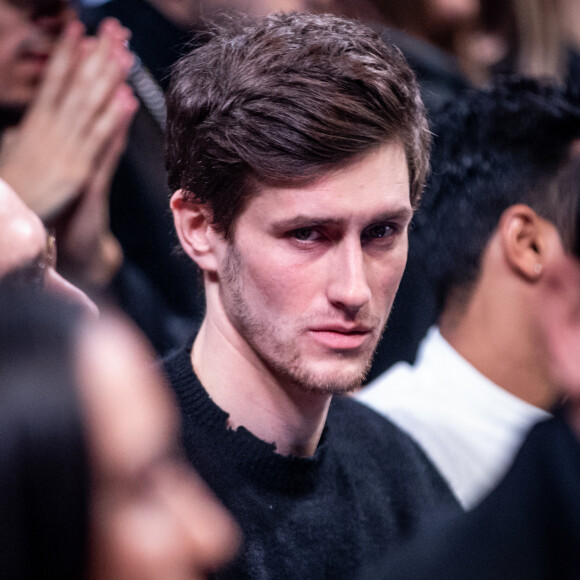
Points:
(512, 144)
(92, 484)
(183, 13)
(433, 20)
(29, 30)
(254, 7)
(285, 100)
(524, 37)
(151, 516)
(560, 317)
(28, 252)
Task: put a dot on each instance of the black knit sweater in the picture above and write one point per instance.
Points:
(319, 517)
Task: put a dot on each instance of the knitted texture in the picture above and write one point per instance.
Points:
(364, 490)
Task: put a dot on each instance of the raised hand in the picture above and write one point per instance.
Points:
(82, 104)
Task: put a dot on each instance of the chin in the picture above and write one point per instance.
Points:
(330, 378)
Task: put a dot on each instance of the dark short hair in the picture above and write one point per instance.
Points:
(284, 100)
(44, 460)
(495, 148)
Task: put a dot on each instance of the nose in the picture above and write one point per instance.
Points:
(54, 282)
(348, 287)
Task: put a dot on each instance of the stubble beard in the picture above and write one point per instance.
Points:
(281, 358)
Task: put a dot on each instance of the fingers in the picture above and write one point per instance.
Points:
(61, 65)
(76, 129)
(103, 69)
(110, 135)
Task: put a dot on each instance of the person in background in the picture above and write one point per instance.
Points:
(524, 37)
(529, 526)
(297, 149)
(496, 218)
(64, 114)
(427, 31)
(92, 481)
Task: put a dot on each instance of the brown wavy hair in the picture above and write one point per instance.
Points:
(283, 100)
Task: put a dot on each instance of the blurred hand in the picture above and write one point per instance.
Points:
(89, 254)
(62, 157)
(82, 103)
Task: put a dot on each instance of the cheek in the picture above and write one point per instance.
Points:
(384, 278)
(280, 287)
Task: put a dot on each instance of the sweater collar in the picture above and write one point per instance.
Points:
(240, 449)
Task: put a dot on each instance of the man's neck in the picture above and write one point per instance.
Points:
(240, 383)
(495, 336)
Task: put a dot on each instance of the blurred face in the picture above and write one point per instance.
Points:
(310, 276)
(28, 32)
(182, 12)
(255, 7)
(451, 14)
(152, 517)
(28, 254)
(560, 320)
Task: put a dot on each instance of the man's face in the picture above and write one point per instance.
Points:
(28, 33)
(310, 276)
(25, 251)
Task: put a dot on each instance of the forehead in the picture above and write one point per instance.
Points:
(375, 183)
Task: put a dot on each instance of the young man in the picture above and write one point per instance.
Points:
(297, 149)
(495, 220)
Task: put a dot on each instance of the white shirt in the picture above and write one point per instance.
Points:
(469, 427)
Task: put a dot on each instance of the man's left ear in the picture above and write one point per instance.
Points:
(525, 237)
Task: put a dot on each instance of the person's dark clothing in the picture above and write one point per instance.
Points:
(365, 488)
(133, 292)
(528, 528)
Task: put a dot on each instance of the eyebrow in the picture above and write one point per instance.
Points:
(399, 215)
